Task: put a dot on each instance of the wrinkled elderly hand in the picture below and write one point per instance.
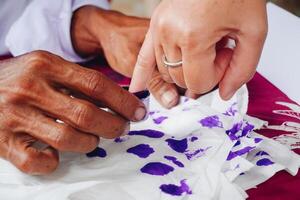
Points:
(39, 88)
(196, 32)
(118, 36)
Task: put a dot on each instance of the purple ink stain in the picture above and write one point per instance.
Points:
(98, 152)
(247, 129)
(235, 128)
(231, 111)
(179, 146)
(175, 190)
(233, 154)
(237, 143)
(261, 153)
(194, 138)
(174, 161)
(148, 133)
(141, 150)
(196, 154)
(264, 162)
(257, 140)
(211, 121)
(157, 169)
(120, 139)
(159, 120)
(151, 113)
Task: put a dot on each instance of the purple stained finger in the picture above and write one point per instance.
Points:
(175, 190)
(148, 133)
(233, 154)
(211, 122)
(98, 152)
(264, 162)
(159, 120)
(141, 150)
(157, 169)
(179, 146)
(174, 161)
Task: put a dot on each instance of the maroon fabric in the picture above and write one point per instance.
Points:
(262, 98)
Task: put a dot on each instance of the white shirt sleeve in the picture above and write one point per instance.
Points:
(45, 25)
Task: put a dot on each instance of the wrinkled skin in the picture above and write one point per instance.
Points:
(196, 32)
(38, 88)
(118, 36)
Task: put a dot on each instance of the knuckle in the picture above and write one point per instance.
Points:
(82, 116)
(143, 61)
(36, 60)
(95, 82)
(61, 139)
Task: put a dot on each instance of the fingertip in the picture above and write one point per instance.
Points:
(169, 99)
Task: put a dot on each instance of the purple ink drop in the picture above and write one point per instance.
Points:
(159, 120)
(179, 146)
(233, 154)
(211, 121)
(98, 152)
(175, 190)
(237, 143)
(247, 129)
(174, 161)
(264, 162)
(231, 111)
(196, 154)
(148, 133)
(235, 128)
(257, 140)
(141, 150)
(157, 169)
(194, 138)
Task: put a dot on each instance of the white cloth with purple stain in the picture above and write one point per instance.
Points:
(201, 149)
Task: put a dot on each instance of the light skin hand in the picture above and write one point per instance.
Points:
(31, 100)
(119, 37)
(194, 31)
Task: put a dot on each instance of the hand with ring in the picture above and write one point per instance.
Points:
(185, 49)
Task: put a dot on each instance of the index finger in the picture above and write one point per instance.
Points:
(144, 66)
(97, 86)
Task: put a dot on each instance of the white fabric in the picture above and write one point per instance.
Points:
(202, 124)
(40, 25)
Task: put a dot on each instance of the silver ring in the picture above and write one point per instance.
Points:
(171, 64)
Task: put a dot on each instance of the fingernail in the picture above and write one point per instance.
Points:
(127, 129)
(139, 113)
(168, 98)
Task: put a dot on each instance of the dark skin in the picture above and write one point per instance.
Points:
(39, 88)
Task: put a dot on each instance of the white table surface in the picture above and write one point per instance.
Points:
(280, 61)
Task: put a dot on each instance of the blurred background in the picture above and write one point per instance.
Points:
(144, 8)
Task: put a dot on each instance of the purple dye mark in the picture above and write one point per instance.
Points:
(121, 139)
(196, 154)
(185, 100)
(98, 152)
(151, 113)
(261, 153)
(148, 133)
(237, 143)
(231, 111)
(264, 162)
(179, 146)
(176, 190)
(157, 169)
(159, 120)
(141, 150)
(174, 161)
(257, 140)
(211, 121)
(233, 154)
(243, 173)
(247, 129)
(194, 138)
(235, 128)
